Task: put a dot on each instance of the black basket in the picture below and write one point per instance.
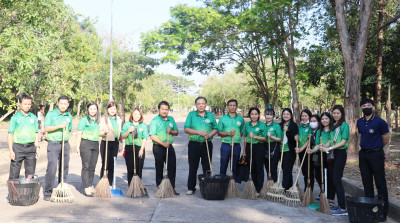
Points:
(24, 192)
(363, 209)
(215, 187)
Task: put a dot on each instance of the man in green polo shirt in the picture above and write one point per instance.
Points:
(201, 126)
(55, 122)
(162, 128)
(230, 125)
(23, 139)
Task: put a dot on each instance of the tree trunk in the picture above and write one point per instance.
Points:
(396, 118)
(6, 115)
(293, 85)
(122, 112)
(79, 107)
(275, 93)
(51, 108)
(389, 109)
(379, 53)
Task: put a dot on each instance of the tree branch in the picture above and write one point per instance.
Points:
(386, 24)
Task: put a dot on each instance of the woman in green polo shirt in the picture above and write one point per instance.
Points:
(137, 129)
(110, 129)
(339, 137)
(304, 131)
(88, 146)
(255, 132)
(274, 135)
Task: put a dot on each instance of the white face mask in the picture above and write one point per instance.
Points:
(314, 125)
(305, 123)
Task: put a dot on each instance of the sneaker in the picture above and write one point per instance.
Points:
(340, 212)
(334, 208)
(258, 195)
(46, 197)
(189, 192)
(332, 204)
(88, 192)
(176, 193)
(92, 189)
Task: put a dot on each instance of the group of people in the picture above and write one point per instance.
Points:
(326, 132)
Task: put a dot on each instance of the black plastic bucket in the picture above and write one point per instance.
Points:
(213, 188)
(363, 209)
(23, 192)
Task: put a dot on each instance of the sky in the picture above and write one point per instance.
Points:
(130, 19)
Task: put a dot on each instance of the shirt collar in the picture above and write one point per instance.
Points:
(234, 117)
(256, 125)
(22, 114)
(59, 113)
(372, 117)
(113, 118)
(205, 114)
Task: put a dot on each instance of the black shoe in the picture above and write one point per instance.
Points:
(176, 193)
(46, 197)
(382, 218)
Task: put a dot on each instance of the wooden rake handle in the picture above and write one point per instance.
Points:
(280, 165)
(209, 159)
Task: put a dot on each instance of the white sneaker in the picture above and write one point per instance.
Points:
(189, 192)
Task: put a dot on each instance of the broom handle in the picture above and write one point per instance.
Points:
(209, 159)
(269, 158)
(232, 157)
(166, 158)
(298, 172)
(297, 157)
(251, 153)
(322, 166)
(280, 165)
(134, 154)
(308, 160)
(105, 159)
(62, 157)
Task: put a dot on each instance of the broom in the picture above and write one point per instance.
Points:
(165, 189)
(301, 192)
(269, 182)
(308, 195)
(103, 187)
(249, 191)
(292, 196)
(232, 191)
(136, 188)
(62, 194)
(275, 193)
(323, 201)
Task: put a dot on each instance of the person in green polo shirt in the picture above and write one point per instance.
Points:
(201, 126)
(56, 123)
(339, 141)
(23, 139)
(230, 125)
(274, 135)
(135, 129)
(255, 132)
(88, 146)
(162, 128)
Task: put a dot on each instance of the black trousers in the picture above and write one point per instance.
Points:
(275, 156)
(287, 166)
(317, 171)
(197, 151)
(304, 169)
(23, 153)
(160, 154)
(372, 167)
(130, 162)
(89, 151)
(331, 187)
(54, 158)
(257, 166)
(338, 167)
(112, 151)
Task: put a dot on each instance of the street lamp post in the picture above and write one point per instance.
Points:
(111, 52)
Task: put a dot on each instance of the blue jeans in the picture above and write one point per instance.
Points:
(226, 156)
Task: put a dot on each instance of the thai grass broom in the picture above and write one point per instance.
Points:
(301, 192)
(308, 195)
(62, 193)
(275, 193)
(232, 191)
(136, 188)
(103, 187)
(292, 196)
(270, 181)
(165, 189)
(323, 201)
(249, 191)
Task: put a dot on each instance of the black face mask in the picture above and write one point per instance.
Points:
(367, 111)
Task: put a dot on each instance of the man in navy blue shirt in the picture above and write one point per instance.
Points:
(374, 136)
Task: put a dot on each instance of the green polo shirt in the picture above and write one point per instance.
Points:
(205, 123)
(285, 141)
(227, 123)
(158, 127)
(54, 118)
(24, 128)
(90, 130)
(275, 130)
(343, 134)
(326, 136)
(142, 133)
(304, 132)
(114, 125)
(259, 129)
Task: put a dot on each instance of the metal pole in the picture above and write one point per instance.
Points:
(111, 52)
(179, 91)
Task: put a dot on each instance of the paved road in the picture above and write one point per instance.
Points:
(180, 209)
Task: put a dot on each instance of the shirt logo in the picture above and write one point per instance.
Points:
(271, 130)
(170, 125)
(31, 120)
(257, 129)
(238, 123)
(371, 131)
(67, 119)
(207, 120)
(306, 130)
(140, 130)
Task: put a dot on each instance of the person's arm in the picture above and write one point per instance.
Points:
(141, 151)
(195, 132)
(78, 141)
(56, 127)
(172, 132)
(10, 144)
(159, 142)
(276, 139)
(244, 146)
(126, 134)
(259, 138)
